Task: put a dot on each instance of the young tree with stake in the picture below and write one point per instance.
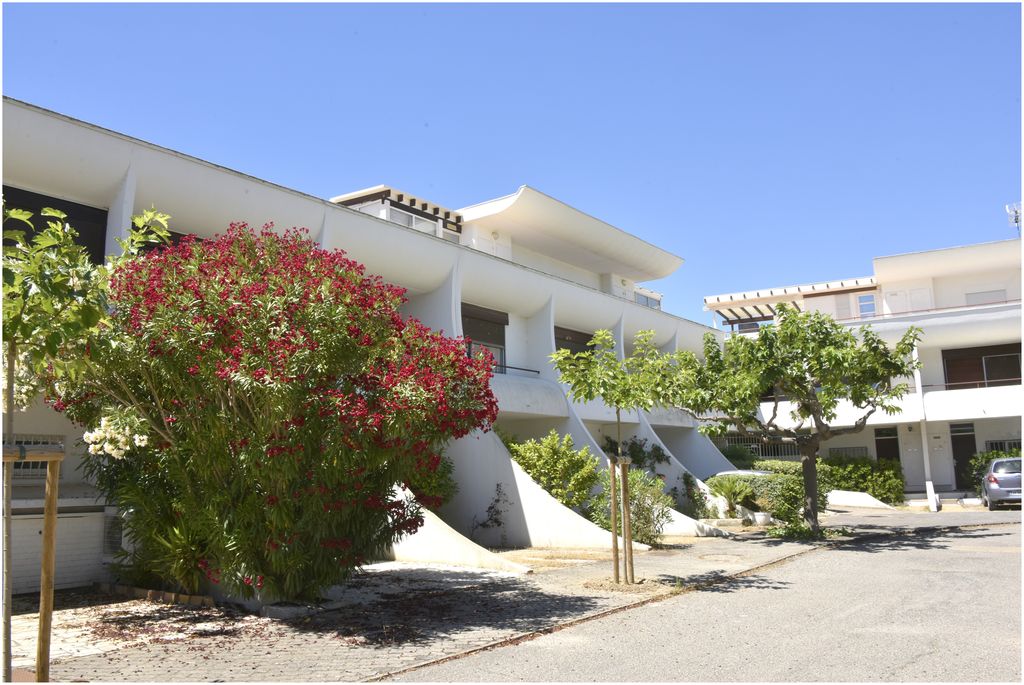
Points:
(636, 382)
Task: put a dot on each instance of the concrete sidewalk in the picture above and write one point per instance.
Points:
(397, 616)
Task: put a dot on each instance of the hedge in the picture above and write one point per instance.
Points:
(882, 480)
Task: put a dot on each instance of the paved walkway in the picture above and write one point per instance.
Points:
(396, 616)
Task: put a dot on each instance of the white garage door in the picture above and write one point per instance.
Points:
(79, 550)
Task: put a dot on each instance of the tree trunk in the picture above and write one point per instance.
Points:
(809, 464)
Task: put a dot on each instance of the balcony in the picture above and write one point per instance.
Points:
(997, 400)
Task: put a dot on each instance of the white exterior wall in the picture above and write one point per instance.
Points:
(106, 170)
(535, 260)
(950, 291)
(905, 296)
(79, 550)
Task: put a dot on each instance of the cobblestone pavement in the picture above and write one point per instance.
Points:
(393, 616)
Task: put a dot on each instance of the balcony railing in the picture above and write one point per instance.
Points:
(963, 385)
(504, 368)
(932, 310)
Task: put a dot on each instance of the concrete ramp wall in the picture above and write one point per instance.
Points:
(529, 516)
(693, 450)
(438, 543)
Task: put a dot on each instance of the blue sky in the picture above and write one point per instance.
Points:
(765, 144)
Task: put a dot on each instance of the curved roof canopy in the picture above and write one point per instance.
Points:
(540, 223)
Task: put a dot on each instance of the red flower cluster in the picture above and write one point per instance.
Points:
(297, 396)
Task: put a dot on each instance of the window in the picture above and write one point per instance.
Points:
(866, 305)
(574, 341)
(887, 444)
(32, 470)
(849, 452)
(485, 329)
(647, 301)
(404, 218)
(1002, 445)
(748, 326)
(961, 429)
(986, 297)
(89, 222)
(982, 367)
(450, 236)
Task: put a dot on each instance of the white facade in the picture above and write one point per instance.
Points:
(966, 397)
(544, 270)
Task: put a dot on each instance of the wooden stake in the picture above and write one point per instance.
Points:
(615, 517)
(7, 575)
(627, 528)
(12, 359)
(46, 574)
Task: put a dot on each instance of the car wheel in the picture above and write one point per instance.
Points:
(991, 505)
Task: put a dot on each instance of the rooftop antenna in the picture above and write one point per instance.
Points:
(1013, 215)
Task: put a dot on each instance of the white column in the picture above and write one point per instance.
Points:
(323, 230)
(618, 332)
(119, 216)
(540, 340)
(925, 455)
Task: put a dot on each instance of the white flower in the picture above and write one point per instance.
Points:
(88, 436)
(109, 447)
(95, 449)
(117, 454)
(122, 442)
(104, 423)
(141, 440)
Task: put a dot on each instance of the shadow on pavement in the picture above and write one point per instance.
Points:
(717, 581)
(409, 615)
(890, 539)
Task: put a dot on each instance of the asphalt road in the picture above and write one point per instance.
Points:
(928, 606)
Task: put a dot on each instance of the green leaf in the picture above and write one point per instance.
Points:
(50, 211)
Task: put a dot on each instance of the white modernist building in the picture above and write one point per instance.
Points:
(966, 397)
(523, 275)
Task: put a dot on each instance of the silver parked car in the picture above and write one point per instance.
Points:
(1001, 483)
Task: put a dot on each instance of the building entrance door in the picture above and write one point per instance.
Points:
(964, 447)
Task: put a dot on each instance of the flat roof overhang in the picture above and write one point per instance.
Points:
(540, 223)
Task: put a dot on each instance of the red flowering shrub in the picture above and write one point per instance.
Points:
(282, 398)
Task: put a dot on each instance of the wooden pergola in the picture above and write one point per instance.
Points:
(53, 455)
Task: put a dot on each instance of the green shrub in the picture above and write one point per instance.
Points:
(734, 489)
(980, 462)
(642, 456)
(779, 494)
(739, 456)
(567, 474)
(880, 479)
(649, 506)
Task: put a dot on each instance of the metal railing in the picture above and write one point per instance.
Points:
(965, 385)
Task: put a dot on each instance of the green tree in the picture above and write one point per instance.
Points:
(637, 382)
(53, 296)
(807, 360)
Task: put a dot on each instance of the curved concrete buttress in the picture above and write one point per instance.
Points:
(530, 517)
(680, 524)
(693, 450)
(438, 543)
